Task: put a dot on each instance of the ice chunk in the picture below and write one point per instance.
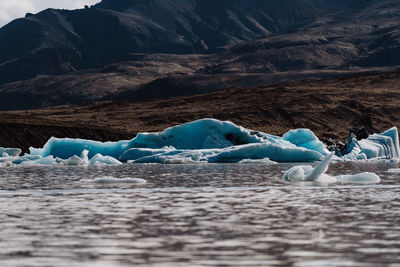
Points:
(19, 160)
(177, 157)
(393, 133)
(137, 153)
(307, 139)
(317, 174)
(285, 152)
(34, 161)
(384, 145)
(266, 161)
(361, 178)
(201, 134)
(50, 160)
(76, 161)
(11, 152)
(113, 180)
(67, 147)
(320, 169)
(107, 160)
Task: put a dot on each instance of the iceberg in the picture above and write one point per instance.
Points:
(384, 145)
(67, 147)
(206, 141)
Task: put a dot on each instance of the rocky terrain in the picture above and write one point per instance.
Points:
(326, 106)
(134, 49)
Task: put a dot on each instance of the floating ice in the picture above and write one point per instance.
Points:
(67, 147)
(107, 160)
(9, 152)
(76, 161)
(113, 180)
(318, 174)
(203, 141)
(137, 153)
(276, 152)
(258, 161)
(384, 145)
(397, 170)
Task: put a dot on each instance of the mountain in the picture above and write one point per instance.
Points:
(139, 49)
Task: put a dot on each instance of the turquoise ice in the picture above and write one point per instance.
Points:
(202, 141)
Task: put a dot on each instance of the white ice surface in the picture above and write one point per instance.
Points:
(318, 174)
(113, 180)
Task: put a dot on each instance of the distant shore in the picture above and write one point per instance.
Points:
(328, 107)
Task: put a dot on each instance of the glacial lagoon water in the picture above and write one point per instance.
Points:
(196, 215)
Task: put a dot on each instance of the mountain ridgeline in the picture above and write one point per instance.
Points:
(128, 49)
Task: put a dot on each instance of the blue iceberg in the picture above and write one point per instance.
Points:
(384, 145)
(67, 147)
(203, 141)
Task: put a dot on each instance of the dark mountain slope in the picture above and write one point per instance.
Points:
(112, 50)
(60, 41)
(332, 45)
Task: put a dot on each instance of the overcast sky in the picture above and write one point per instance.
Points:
(12, 9)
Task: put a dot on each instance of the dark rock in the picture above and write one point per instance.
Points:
(335, 146)
(359, 133)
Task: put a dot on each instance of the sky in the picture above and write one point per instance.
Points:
(12, 9)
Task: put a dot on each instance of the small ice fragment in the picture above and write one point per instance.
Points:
(77, 161)
(20, 160)
(394, 170)
(258, 161)
(74, 161)
(137, 153)
(11, 152)
(360, 178)
(50, 160)
(113, 180)
(307, 173)
(100, 159)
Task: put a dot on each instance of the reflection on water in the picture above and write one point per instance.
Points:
(197, 215)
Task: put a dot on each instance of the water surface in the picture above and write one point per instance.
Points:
(196, 215)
